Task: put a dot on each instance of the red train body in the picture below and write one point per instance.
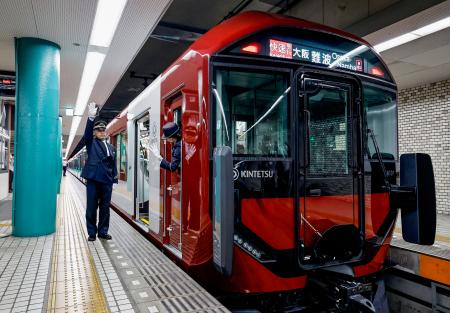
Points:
(305, 171)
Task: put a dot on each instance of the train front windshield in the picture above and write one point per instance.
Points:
(299, 131)
(253, 112)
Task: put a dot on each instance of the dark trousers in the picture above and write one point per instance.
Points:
(98, 196)
(64, 170)
(11, 180)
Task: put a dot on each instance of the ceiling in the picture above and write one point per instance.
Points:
(152, 34)
(181, 25)
(68, 23)
(423, 60)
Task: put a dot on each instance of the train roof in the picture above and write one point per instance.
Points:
(250, 22)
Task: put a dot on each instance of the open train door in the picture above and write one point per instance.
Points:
(172, 186)
(331, 190)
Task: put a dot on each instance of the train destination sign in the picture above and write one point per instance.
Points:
(287, 50)
(7, 85)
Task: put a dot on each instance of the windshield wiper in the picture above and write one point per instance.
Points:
(379, 157)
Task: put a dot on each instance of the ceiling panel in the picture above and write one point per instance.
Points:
(69, 24)
(432, 57)
(341, 14)
(418, 46)
(410, 23)
(17, 19)
(429, 75)
(400, 68)
(7, 53)
(137, 23)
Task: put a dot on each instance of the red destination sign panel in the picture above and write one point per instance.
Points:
(280, 49)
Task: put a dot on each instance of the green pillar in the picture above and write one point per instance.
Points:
(36, 138)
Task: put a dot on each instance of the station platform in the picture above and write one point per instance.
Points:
(420, 278)
(64, 272)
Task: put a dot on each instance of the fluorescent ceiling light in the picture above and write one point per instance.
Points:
(433, 27)
(394, 42)
(92, 66)
(413, 35)
(107, 18)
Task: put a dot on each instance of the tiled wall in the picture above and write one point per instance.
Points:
(424, 126)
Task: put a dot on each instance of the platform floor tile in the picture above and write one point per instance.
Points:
(114, 291)
(24, 271)
(153, 283)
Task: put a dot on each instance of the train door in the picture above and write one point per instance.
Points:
(172, 187)
(331, 167)
(142, 173)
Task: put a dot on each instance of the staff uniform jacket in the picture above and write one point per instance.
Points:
(98, 166)
(176, 158)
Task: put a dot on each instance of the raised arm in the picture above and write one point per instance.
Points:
(88, 131)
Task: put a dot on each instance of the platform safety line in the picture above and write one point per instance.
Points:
(51, 302)
(78, 205)
(94, 274)
(98, 303)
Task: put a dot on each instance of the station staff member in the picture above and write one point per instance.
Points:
(100, 172)
(64, 167)
(171, 133)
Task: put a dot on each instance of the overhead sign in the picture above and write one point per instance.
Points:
(7, 84)
(287, 50)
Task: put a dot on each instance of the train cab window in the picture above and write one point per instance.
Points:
(329, 133)
(381, 113)
(252, 112)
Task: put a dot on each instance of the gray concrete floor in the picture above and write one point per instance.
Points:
(6, 209)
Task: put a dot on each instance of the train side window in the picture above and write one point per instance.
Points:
(381, 112)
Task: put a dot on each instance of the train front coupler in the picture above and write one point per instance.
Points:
(343, 295)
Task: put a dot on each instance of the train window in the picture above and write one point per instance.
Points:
(121, 155)
(381, 112)
(329, 134)
(252, 112)
(142, 173)
(4, 137)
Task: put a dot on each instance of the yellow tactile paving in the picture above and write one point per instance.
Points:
(74, 285)
(5, 228)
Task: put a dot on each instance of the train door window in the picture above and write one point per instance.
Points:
(329, 208)
(329, 134)
(252, 112)
(142, 173)
(177, 116)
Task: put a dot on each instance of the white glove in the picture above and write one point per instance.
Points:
(92, 110)
(154, 150)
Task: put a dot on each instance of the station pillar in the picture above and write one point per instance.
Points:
(36, 138)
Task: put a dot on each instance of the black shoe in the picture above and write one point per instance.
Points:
(91, 238)
(106, 237)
